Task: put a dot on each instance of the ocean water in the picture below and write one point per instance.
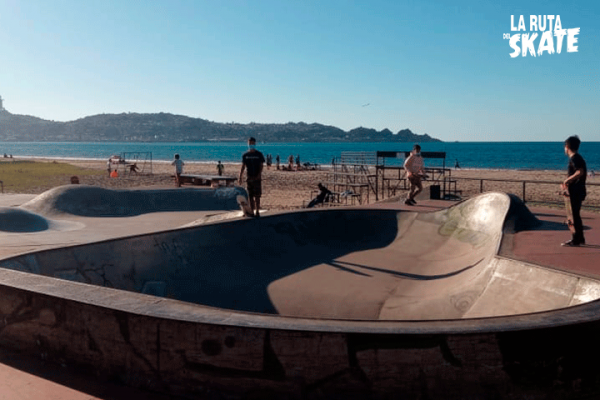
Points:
(486, 155)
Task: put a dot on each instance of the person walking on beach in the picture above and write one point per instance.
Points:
(178, 163)
(277, 161)
(220, 168)
(574, 186)
(253, 161)
(414, 172)
(456, 165)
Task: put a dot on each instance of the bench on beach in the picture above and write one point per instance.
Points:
(350, 191)
(440, 178)
(207, 180)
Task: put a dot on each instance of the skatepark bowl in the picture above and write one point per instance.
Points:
(331, 303)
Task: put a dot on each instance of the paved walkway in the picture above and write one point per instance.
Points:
(542, 246)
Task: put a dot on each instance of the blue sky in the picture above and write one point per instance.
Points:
(437, 67)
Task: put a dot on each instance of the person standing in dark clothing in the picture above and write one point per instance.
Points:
(575, 185)
(253, 161)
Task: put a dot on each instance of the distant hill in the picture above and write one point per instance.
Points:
(163, 127)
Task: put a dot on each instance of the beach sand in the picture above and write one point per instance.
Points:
(288, 190)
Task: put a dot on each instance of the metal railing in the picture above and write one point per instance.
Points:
(548, 199)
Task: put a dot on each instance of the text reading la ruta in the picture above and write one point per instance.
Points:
(551, 39)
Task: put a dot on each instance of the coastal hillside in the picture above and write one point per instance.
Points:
(164, 127)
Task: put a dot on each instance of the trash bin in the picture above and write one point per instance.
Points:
(434, 192)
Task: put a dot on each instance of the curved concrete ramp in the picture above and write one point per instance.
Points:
(16, 220)
(365, 264)
(91, 201)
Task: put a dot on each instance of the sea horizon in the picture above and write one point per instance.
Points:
(469, 155)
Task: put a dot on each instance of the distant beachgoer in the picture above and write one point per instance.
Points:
(133, 169)
(414, 172)
(277, 160)
(252, 162)
(114, 174)
(456, 165)
(574, 185)
(324, 193)
(220, 168)
(269, 161)
(178, 163)
(291, 162)
(298, 166)
(108, 168)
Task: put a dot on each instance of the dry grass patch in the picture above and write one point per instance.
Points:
(36, 177)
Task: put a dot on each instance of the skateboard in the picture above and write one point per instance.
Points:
(243, 202)
(569, 210)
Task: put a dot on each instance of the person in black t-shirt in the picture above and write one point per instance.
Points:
(575, 184)
(253, 161)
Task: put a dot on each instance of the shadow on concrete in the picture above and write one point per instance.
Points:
(29, 370)
(225, 265)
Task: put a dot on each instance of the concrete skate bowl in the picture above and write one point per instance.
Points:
(91, 201)
(359, 303)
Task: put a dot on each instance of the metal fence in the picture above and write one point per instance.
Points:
(547, 192)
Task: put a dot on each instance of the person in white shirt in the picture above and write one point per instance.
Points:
(414, 172)
(178, 163)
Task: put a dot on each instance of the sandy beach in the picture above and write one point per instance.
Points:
(288, 190)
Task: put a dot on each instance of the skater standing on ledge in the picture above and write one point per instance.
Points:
(414, 172)
(575, 186)
(253, 161)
